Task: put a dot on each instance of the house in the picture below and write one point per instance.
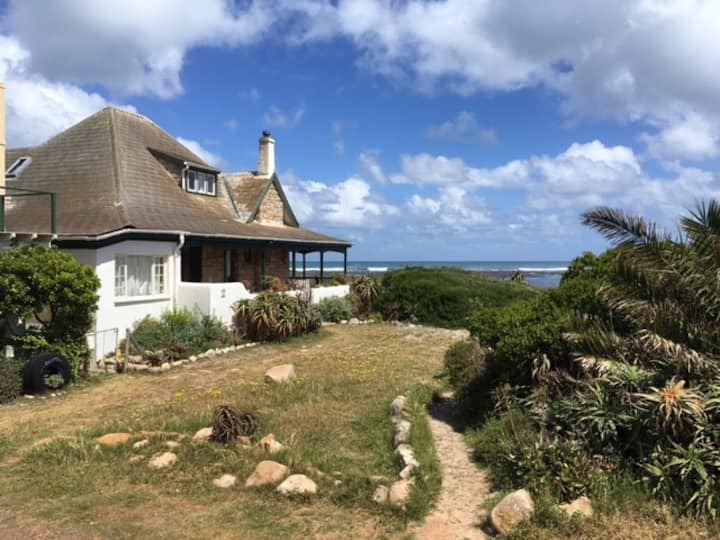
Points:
(161, 227)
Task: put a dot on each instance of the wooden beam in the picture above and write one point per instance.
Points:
(345, 262)
(262, 266)
(322, 266)
(304, 257)
(294, 266)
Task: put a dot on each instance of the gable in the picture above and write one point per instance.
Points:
(273, 207)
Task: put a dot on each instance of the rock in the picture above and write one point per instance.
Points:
(297, 484)
(243, 440)
(114, 439)
(138, 367)
(270, 445)
(267, 473)
(399, 493)
(381, 495)
(177, 363)
(511, 510)
(29, 396)
(137, 459)
(343, 321)
(210, 352)
(165, 366)
(162, 461)
(377, 478)
(406, 455)
(398, 405)
(279, 374)
(193, 358)
(402, 432)
(581, 505)
(225, 481)
(202, 435)
(172, 445)
(354, 320)
(408, 471)
(154, 369)
(140, 444)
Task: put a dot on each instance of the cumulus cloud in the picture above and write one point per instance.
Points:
(370, 162)
(691, 138)
(463, 128)
(206, 155)
(276, 117)
(454, 209)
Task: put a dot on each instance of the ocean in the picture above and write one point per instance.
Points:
(543, 274)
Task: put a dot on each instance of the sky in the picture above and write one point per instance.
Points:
(419, 130)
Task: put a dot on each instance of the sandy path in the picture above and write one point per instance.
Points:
(464, 486)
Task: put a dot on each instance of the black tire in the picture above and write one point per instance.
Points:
(44, 365)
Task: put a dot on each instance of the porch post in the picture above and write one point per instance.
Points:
(262, 266)
(345, 262)
(294, 264)
(322, 266)
(304, 255)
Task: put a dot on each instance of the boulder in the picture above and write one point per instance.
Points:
(225, 481)
(398, 405)
(140, 444)
(402, 432)
(297, 484)
(581, 505)
(137, 458)
(267, 473)
(114, 439)
(172, 445)
(202, 435)
(162, 461)
(280, 374)
(381, 495)
(399, 493)
(270, 445)
(511, 510)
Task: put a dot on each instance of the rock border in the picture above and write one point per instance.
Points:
(142, 367)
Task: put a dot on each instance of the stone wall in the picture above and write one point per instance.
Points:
(213, 264)
(272, 209)
(246, 265)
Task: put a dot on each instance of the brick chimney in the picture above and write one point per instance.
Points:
(266, 156)
(2, 136)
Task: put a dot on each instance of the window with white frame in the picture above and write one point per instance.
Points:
(140, 275)
(201, 182)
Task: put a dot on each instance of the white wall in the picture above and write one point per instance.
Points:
(214, 299)
(320, 293)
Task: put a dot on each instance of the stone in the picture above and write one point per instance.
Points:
(114, 439)
(177, 363)
(137, 459)
(280, 374)
(29, 396)
(402, 432)
(511, 510)
(297, 484)
(138, 367)
(225, 481)
(202, 435)
(162, 461)
(210, 352)
(154, 370)
(165, 366)
(377, 478)
(172, 445)
(354, 320)
(406, 455)
(399, 493)
(193, 358)
(381, 495)
(408, 471)
(267, 473)
(270, 445)
(343, 321)
(398, 405)
(581, 505)
(140, 444)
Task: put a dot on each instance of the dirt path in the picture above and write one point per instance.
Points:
(464, 486)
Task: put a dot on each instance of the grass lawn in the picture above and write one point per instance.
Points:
(334, 420)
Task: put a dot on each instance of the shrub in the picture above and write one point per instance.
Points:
(44, 285)
(275, 317)
(273, 284)
(363, 295)
(334, 309)
(10, 380)
(460, 357)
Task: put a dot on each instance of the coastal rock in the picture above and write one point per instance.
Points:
(202, 435)
(297, 484)
(581, 505)
(398, 405)
(399, 493)
(162, 461)
(270, 445)
(280, 374)
(511, 510)
(402, 432)
(225, 481)
(267, 473)
(114, 439)
(381, 495)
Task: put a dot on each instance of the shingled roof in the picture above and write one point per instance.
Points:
(114, 171)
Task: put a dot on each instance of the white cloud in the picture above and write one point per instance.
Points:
(463, 128)
(252, 95)
(276, 117)
(370, 162)
(692, 138)
(130, 47)
(206, 155)
(37, 109)
(453, 209)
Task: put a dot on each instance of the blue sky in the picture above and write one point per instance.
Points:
(419, 130)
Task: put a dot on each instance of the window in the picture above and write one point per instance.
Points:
(139, 275)
(201, 182)
(17, 167)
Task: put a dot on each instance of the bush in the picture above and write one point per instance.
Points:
(460, 357)
(363, 296)
(44, 285)
(10, 380)
(273, 284)
(334, 309)
(275, 317)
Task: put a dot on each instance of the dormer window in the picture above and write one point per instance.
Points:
(200, 182)
(17, 167)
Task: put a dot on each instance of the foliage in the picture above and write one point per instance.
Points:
(275, 317)
(274, 284)
(178, 333)
(334, 309)
(53, 292)
(10, 380)
(363, 295)
(229, 423)
(461, 357)
(444, 296)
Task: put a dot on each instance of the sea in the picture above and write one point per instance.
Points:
(542, 274)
